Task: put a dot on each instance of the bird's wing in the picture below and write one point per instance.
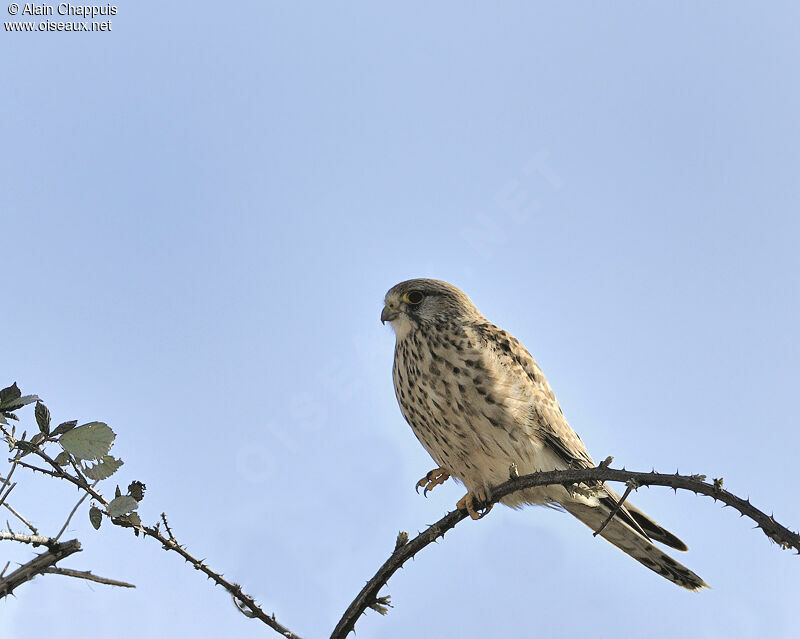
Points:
(524, 381)
(538, 407)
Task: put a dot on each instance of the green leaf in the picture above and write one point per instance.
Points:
(62, 459)
(19, 402)
(25, 447)
(136, 490)
(9, 393)
(117, 492)
(37, 439)
(96, 517)
(42, 418)
(63, 427)
(122, 505)
(90, 441)
(104, 468)
(132, 518)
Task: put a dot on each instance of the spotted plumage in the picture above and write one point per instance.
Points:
(478, 402)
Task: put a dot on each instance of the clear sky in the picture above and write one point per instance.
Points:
(202, 209)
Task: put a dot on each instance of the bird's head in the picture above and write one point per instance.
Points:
(418, 303)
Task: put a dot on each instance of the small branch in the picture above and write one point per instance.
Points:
(38, 565)
(166, 526)
(241, 599)
(62, 474)
(7, 493)
(7, 480)
(87, 574)
(36, 540)
(41, 470)
(77, 470)
(369, 594)
(616, 508)
(695, 483)
(30, 526)
(72, 512)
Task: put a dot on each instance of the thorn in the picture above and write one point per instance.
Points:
(402, 540)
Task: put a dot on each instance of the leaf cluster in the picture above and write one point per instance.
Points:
(85, 449)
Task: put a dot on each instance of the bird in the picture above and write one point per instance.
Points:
(478, 403)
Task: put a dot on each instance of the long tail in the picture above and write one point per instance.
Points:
(626, 537)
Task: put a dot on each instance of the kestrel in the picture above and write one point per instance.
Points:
(478, 402)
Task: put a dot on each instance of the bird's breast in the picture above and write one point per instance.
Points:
(465, 414)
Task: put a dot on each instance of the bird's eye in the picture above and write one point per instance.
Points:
(414, 297)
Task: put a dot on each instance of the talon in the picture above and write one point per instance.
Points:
(467, 502)
(432, 479)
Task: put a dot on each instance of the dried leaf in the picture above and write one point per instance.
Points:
(42, 418)
(136, 490)
(96, 517)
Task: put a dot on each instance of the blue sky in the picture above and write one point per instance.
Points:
(203, 209)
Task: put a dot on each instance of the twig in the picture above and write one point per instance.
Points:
(241, 599)
(369, 594)
(30, 526)
(38, 565)
(7, 480)
(62, 474)
(72, 512)
(36, 540)
(616, 508)
(168, 543)
(87, 574)
(41, 470)
(7, 493)
(77, 470)
(166, 526)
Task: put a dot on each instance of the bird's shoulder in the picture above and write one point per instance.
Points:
(510, 353)
(544, 414)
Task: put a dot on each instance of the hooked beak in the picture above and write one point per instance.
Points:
(388, 314)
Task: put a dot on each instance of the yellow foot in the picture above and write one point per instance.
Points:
(467, 502)
(432, 479)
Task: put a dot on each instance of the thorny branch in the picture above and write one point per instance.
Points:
(45, 563)
(36, 540)
(38, 565)
(244, 602)
(631, 485)
(695, 483)
(88, 576)
(30, 526)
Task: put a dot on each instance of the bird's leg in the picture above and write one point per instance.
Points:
(468, 503)
(432, 479)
